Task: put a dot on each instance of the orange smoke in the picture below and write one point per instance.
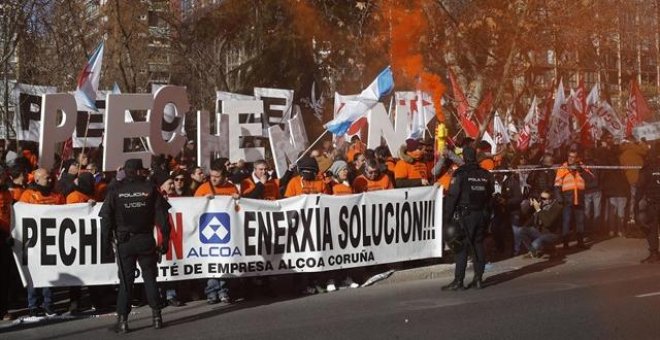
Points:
(407, 26)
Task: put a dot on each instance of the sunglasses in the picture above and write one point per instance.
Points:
(545, 198)
(179, 179)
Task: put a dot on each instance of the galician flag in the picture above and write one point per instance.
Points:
(358, 106)
(88, 80)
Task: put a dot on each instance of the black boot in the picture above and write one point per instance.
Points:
(653, 257)
(158, 319)
(122, 324)
(454, 286)
(477, 282)
(580, 241)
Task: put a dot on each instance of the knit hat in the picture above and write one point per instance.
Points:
(307, 162)
(337, 166)
(86, 183)
(411, 145)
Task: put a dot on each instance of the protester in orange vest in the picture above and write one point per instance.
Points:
(258, 185)
(336, 179)
(83, 191)
(218, 184)
(41, 192)
(569, 189)
(31, 157)
(373, 179)
(354, 148)
(485, 156)
(410, 170)
(307, 181)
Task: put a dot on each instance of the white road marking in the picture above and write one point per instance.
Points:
(647, 295)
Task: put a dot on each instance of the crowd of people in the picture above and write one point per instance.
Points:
(540, 199)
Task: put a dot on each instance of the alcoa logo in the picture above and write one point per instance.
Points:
(214, 228)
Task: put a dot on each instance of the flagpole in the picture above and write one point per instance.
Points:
(310, 146)
(89, 116)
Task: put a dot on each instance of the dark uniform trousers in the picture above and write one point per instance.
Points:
(474, 224)
(139, 248)
(653, 223)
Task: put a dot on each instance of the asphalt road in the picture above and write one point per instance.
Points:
(603, 293)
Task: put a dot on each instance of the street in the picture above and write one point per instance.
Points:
(600, 293)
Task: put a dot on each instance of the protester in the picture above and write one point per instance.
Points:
(356, 147)
(373, 178)
(6, 243)
(128, 216)
(307, 182)
(485, 155)
(41, 192)
(337, 182)
(592, 196)
(387, 163)
(540, 180)
(322, 158)
(219, 185)
(181, 186)
(259, 185)
(17, 185)
(410, 170)
(66, 184)
(632, 154)
(569, 190)
(616, 189)
(197, 177)
(83, 192)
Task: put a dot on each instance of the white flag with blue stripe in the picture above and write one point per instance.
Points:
(357, 108)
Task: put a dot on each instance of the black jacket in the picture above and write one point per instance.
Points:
(135, 206)
(471, 188)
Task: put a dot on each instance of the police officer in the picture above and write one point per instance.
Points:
(649, 186)
(469, 197)
(129, 213)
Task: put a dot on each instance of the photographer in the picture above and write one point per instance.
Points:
(543, 234)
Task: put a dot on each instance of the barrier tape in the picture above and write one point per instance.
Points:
(594, 167)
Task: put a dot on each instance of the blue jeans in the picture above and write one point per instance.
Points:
(36, 295)
(517, 238)
(572, 212)
(216, 289)
(593, 199)
(533, 239)
(633, 195)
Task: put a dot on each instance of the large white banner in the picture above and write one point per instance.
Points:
(27, 115)
(62, 246)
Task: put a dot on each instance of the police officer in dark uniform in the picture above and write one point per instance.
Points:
(468, 204)
(649, 188)
(129, 213)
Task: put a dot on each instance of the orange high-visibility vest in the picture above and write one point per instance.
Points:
(569, 181)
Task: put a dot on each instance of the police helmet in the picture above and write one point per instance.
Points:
(454, 235)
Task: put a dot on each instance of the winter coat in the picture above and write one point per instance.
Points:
(632, 155)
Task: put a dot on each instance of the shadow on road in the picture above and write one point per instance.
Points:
(529, 269)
